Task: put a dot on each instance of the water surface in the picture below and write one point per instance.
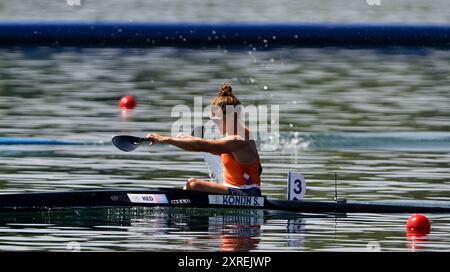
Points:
(377, 118)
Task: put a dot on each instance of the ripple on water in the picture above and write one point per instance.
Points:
(378, 119)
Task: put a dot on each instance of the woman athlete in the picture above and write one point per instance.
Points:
(237, 149)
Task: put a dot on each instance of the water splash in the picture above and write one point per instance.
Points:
(396, 141)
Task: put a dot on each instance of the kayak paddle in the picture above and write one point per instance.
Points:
(128, 143)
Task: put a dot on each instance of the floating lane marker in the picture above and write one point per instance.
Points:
(36, 141)
(125, 34)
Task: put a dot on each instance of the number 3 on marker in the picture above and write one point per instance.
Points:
(296, 186)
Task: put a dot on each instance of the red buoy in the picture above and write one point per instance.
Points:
(127, 102)
(418, 224)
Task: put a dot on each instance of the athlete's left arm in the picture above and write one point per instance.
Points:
(226, 145)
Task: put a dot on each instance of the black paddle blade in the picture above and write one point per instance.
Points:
(127, 143)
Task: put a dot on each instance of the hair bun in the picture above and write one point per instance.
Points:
(225, 90)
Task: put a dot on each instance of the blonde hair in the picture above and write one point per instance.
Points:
(225, 97)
